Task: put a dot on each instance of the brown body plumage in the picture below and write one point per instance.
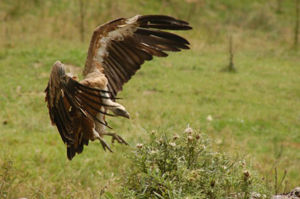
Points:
(117, 50)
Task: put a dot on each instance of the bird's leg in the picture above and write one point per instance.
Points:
(116, 137)
(102, 141)
(104, 144)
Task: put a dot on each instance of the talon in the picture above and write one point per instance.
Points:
(116, 137)
(113, 140)
(121, 140)
(104, 145)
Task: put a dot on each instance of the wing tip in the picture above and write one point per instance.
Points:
(164, 22)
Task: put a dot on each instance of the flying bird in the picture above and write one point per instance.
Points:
(117, 50)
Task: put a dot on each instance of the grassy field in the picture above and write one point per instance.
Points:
(256, 111)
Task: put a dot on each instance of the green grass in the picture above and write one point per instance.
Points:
(255, 111)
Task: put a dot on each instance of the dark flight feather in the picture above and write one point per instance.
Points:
(116, 52)
(67, 100)
(130, 42)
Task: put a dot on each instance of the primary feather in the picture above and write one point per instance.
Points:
(117, 50)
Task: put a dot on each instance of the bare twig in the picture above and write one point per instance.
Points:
(231, 55)
(275, 183)
(279, 6)
(296, 24)
(279, 184)
(283, 177)
(230, 67)
(82, 17)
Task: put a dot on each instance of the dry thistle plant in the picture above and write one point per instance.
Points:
(184, 166)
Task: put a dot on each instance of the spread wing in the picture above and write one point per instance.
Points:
(73, 107)
(118, 48)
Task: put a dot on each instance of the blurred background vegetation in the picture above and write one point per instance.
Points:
(253, 113)
(35, 19)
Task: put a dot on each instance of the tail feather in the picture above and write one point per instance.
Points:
(72, 150)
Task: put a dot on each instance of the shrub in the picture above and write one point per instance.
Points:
(185, 167)
(7, 179)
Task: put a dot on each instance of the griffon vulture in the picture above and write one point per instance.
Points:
(117, 50)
